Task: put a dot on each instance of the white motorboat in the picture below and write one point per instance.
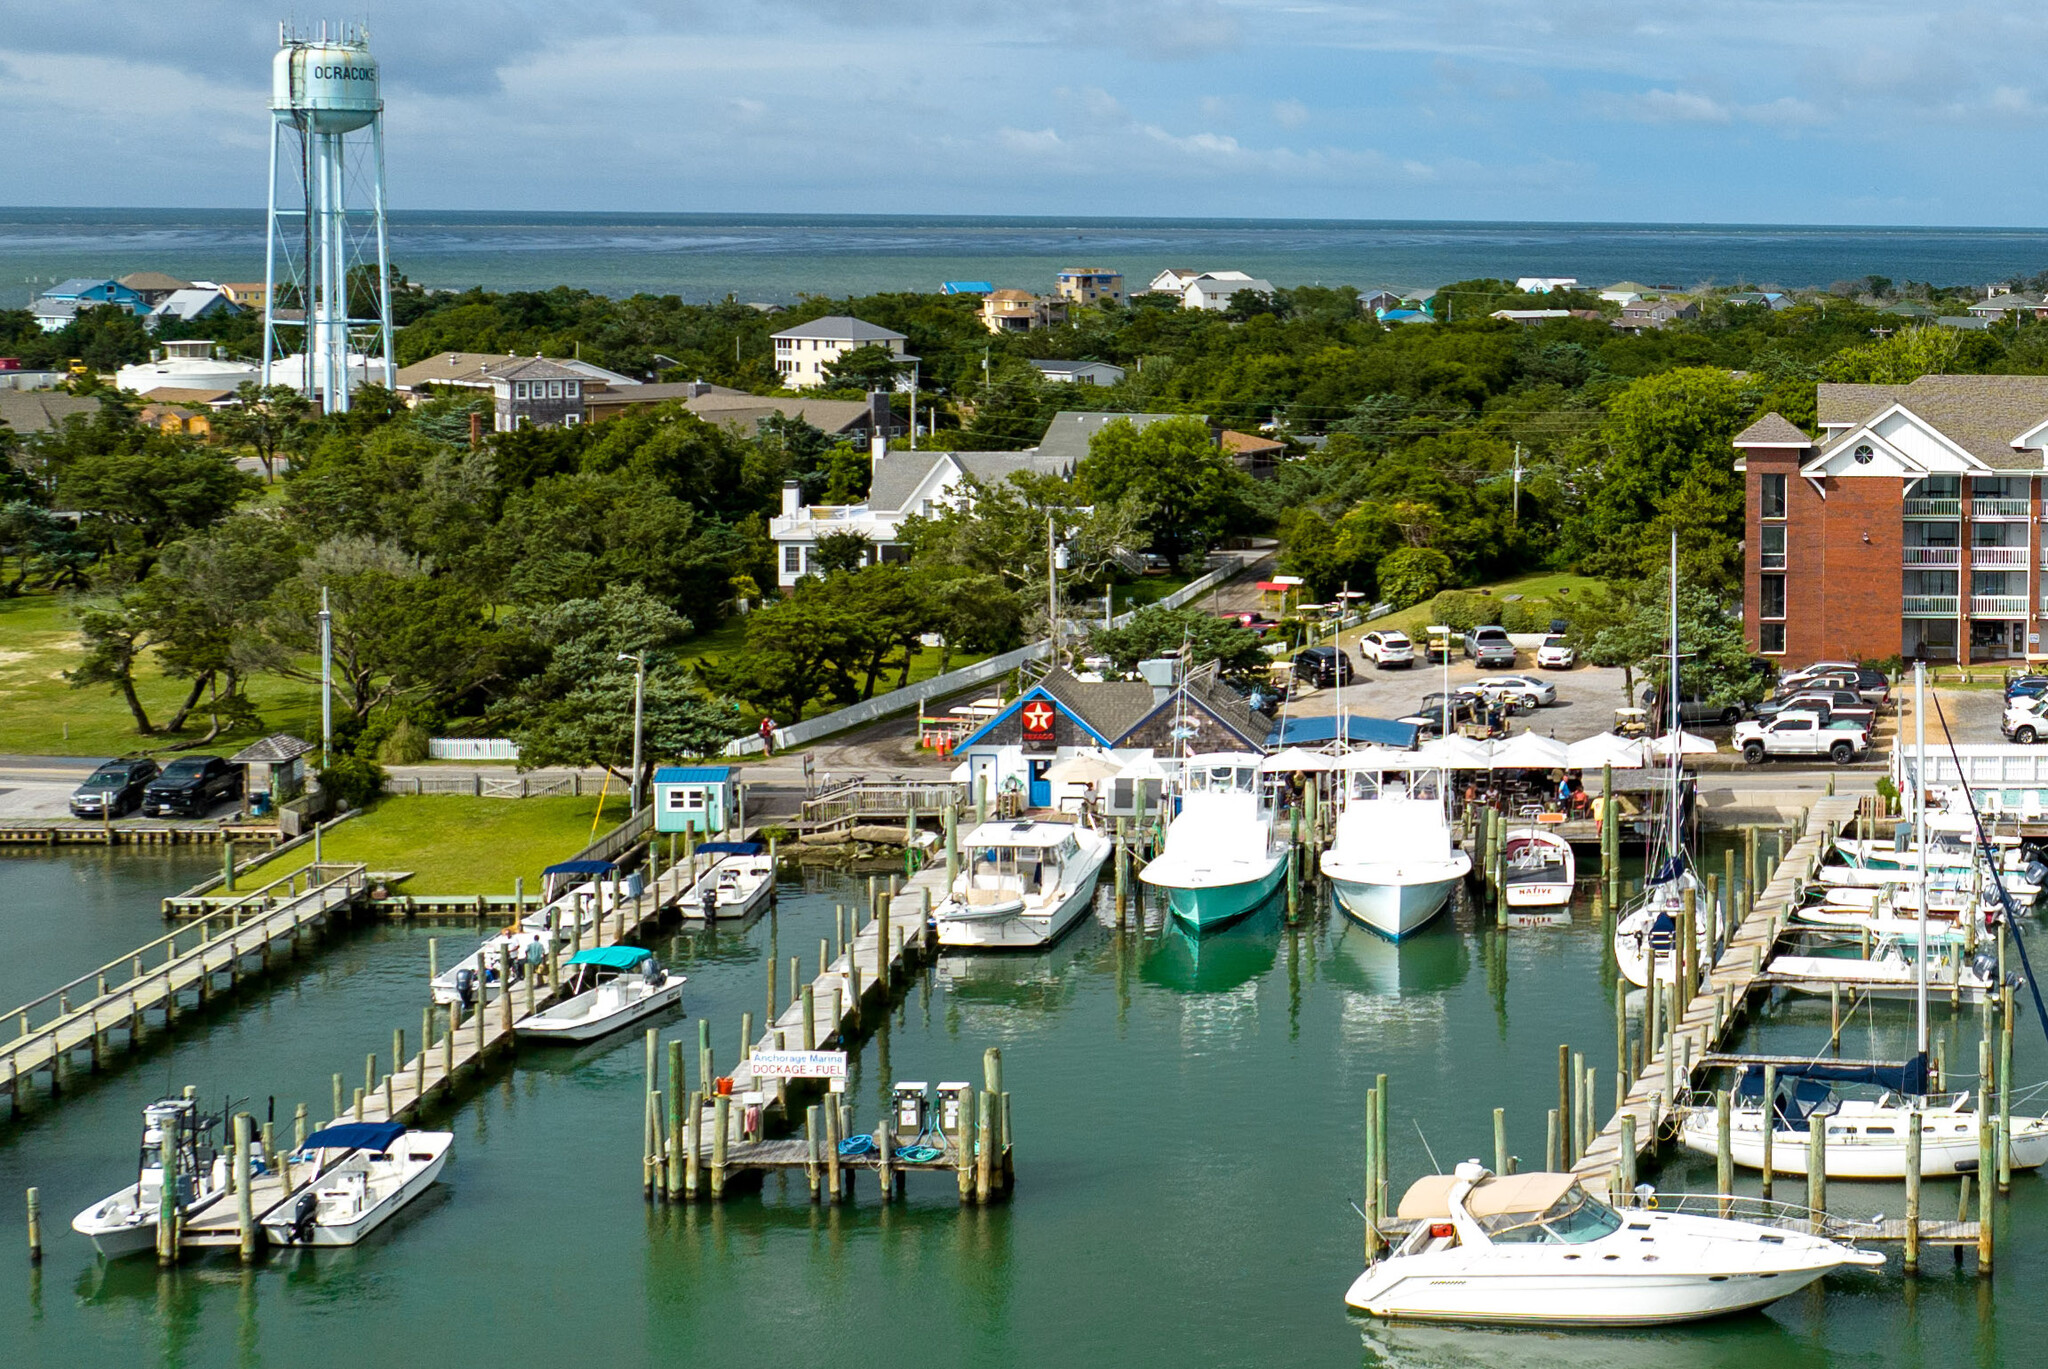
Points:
(1538, 868)
(1390, 862)
(1023, 884)
(609, 987)
(1947, 887)
(1889, 973)
(1225, 849)
(567, 919)
(124, 1223)
(738, 879)
(1866, 1138)
(1536, 1249)
(362, 1175)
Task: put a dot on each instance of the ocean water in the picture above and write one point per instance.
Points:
(777, 257)
(1187, 1118)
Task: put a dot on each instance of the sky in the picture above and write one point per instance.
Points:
(1724, 111)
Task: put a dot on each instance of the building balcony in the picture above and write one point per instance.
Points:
(1981, 509)
(1934, 558)
(1930, 606)
(1934, 508)
(1998, 558)
(1998, 605)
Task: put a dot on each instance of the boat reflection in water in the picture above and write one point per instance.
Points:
(1433, 960)
(1748, 1338)
(1187, 961)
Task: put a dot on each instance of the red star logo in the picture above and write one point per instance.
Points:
(1038, 717)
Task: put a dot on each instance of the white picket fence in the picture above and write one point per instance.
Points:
(472, 749)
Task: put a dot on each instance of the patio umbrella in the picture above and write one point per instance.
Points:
(1294, 758)
(1623, 753)
(1527, 751)
(1688, 744)
(1085, 768)
(1380, 758)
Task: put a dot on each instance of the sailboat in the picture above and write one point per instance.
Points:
(1866, 1139)
(1390, 863)
(1646, 935)
(1225, 850)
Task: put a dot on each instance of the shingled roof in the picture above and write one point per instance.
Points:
(1772, 430)
(1980, 414)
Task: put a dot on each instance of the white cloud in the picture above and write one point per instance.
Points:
(1672, 107)
(1290, 113)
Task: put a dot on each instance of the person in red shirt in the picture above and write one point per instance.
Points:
(768, 736)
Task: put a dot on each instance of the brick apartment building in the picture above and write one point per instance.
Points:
(1909, 525)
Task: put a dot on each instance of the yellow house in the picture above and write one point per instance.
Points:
(1020, 311)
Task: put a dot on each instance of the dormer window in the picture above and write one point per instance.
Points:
(1864, 453)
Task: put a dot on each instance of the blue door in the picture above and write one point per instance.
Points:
(1040, 792)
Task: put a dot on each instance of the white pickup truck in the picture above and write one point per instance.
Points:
(1801, 734)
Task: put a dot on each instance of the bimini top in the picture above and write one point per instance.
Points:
(1907, 1077)
(732, 848)
(581, 867)
(376, 1136)
(612, 957)
(1429, 1198)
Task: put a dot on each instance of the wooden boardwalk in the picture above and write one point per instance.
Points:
(1701, 1027)
(86, 1013)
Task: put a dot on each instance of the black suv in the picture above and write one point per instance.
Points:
(115, 788)
(1323, 666)
(190, 786)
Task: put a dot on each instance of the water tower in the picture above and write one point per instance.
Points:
(326, 315)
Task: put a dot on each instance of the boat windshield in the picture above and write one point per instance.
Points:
(1574, 1219)
(1014, 870)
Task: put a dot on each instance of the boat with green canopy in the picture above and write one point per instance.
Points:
(609, 987)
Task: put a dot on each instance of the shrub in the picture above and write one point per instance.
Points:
(1408, 575)
(352, 781)
(1522, 616)
(1460, 610)
(405, 745)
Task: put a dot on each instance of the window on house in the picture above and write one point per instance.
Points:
(793, 559)
(571, 420)
(1772, 603)
(518, 389)
(1773, 639)
(672, 800)
(1771, 492)
(572, 388)
(1774, 547)
(554, 389)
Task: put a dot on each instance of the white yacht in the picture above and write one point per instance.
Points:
(1866, 1137)
(1226, 851)
(1536, 1249)
(361, 1175)
(738, 879)
(124, 1223)
(609, 987)
(1391, 864)
(1022, 884)
(1538, 868)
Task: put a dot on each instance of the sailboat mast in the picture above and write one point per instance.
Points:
(1920, 840)
(1674, 731)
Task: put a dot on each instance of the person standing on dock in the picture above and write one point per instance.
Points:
(768, 734)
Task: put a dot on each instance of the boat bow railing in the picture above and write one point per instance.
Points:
(1756, 1211)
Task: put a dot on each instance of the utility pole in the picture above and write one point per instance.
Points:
(1052, 591)
(1517, 516)
(639, 660)
(326, 679)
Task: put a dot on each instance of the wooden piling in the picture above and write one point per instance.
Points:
(964, 1148)
(299, 1127)
(447, 1048)
(885, 1156)
(832, 1149)
(1770, 1116)
(35, 1226)
(2004, 1081)
(245, 1213)
(1372, 1184)
(1688, 958)
(810, 1019)
(1628, 1153)
(167, 1202)
(1913, 1191)
(1622, 1073)
(678, 1099)
(1500, 1141)
(1987, 1161)
(693, 1141)
(1580, 1106)
(336, 1112)
(1724, 1148)
(811, 1123)
(1552, 1161)
(1816, 1172)
(721, 1117)
(882, 949)
(984, 1124)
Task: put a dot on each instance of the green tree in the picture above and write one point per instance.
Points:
(115, 638)
(866, 368)
(1408, 575)
(841, 551)
(269, 420)
(1154, 631)
(1186, 488)
(1629, 626)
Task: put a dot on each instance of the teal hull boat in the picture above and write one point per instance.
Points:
(1207, 907)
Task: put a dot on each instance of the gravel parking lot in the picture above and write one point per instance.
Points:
(1586, 695)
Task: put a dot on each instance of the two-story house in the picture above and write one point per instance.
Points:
(1091, 286)
(1020, 311)
(802, 353)
(1908, 525)
(57, 306)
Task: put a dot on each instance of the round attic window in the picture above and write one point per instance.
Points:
(1864, 454)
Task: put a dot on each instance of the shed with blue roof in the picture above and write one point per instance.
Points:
(692, 798)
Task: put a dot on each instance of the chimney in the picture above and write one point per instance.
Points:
(880, 418)
(792, 498)
(476, 429)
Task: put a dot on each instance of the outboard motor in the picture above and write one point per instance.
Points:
(303, 1213)
(711, 904)
(465, 987)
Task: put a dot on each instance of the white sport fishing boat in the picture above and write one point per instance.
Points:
(125, 1223)
(1866, 1138)
(567, 918)
(1537, 868)
(739, 879)
(1226, 851)
(362, 1175)
(609, 987)
(1390, 862)
(1022, 884)
(1538, 1250)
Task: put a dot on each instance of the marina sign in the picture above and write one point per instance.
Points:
(798, 1064)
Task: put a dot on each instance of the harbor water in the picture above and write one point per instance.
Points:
(1188, 1123)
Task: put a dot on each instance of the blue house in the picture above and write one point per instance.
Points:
(693, 798)
(966, 287)
(59, 305)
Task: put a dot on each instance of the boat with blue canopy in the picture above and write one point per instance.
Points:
(736, 878)
(609, 987)
(359, 1175)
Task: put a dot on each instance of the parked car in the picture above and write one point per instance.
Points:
(2025, 720)
(1387, 648)
(1840, 701)
(113, 789)
(1871, 684)
(1692, 708)
(1556, 653)
(1488, 647)
(1527, 692)
(1794, 678)
(1323, 666)
(1800, 734)
(2026, 687)
(1465, 705)
(190, 785)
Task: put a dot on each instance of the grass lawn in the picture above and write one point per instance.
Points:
(455, 844)
(1149, 589)
(1539, 592)
(41, 714)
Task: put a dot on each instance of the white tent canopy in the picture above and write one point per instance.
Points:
(1688, 744)
(1623, 753)
(1294, 758)
(1453, 753)
(1385, 758)
(1527, 751)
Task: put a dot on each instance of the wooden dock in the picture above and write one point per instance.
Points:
(89, 1013)
(61, 832)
